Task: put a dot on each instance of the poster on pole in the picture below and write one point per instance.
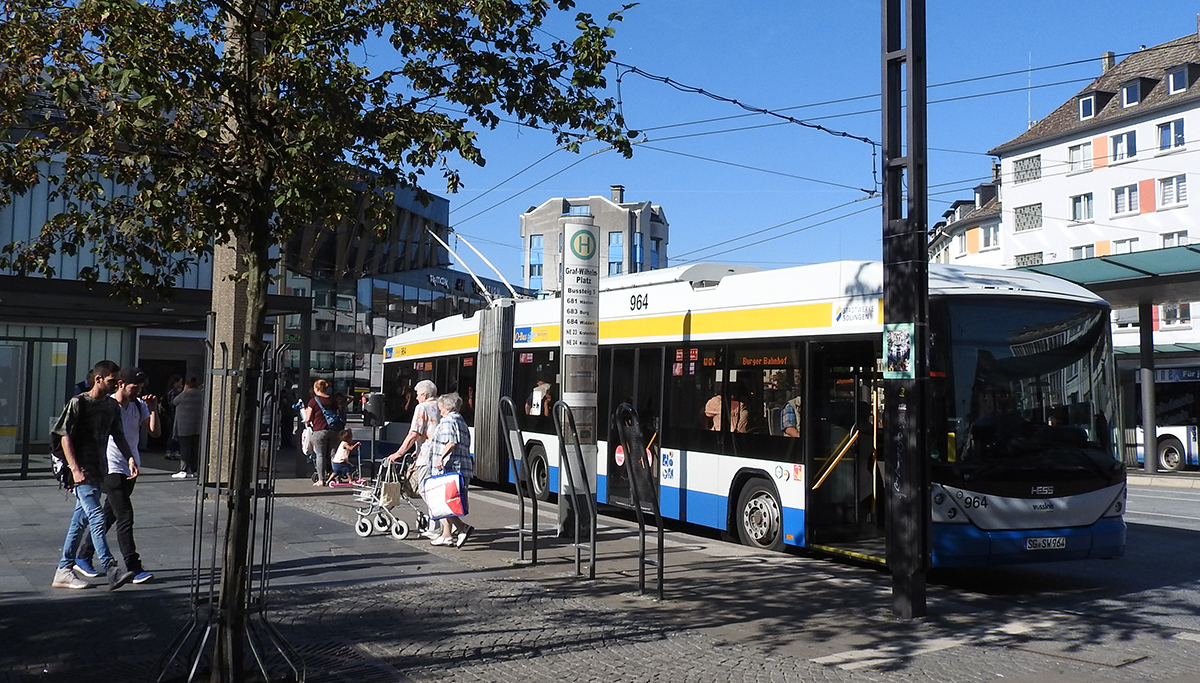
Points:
(898, 351)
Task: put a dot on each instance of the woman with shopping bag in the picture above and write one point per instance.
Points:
(445, 491)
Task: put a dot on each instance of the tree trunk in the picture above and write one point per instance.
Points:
(229, 664)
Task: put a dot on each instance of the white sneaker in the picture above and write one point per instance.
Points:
(180, 475)
(431, 534)
(65, 578)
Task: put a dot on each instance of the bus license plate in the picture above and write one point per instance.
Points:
(1046, 543)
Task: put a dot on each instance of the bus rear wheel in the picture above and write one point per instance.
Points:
(1170, 454)
(759, 516)
(539, 473)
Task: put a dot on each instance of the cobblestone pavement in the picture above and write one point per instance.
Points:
(376, 609)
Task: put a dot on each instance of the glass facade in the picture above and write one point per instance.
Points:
(352, 320)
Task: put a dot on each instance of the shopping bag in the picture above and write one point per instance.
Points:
(446, 495)
(389, 494)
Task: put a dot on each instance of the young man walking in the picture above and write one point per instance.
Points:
(85, 426)
(136, 411)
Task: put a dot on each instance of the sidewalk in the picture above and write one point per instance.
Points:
(377, 609)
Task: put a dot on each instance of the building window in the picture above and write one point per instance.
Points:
(1125, 199)
(1131, 93)
(536, 260)
(1027, 218)
(655, 252)
(1081, 207)
(1079, 157)
(1176, 314)
(639, 250)
(1125, 246)
(1177, 81)
(960, 244)
(1087, 107)
(1172, 190)
(1034, 259)
(991, 236)
(1124, 145)
(616, 253)
(580, 210)
(1170, 135)
(1027, 169)
(1174, 239)
(1085, 251)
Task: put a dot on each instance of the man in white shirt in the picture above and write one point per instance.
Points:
(122, 474)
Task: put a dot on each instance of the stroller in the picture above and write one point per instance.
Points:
(398, 481)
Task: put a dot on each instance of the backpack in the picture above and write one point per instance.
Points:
(58, 464)
(333, 420)
(58, 460)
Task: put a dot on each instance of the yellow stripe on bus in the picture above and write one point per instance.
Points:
(466, 343)
(721, 322)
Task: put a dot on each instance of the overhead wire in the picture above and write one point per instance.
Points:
(756, 111)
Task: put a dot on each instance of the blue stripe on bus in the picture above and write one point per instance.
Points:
(696, 507)
(601, 488)
(963, 545)
(793, 526)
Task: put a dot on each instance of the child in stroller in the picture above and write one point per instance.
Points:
(342, 470)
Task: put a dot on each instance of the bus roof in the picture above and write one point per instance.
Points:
(711, 290)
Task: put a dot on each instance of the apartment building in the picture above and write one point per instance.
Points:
(1107, 171)
(633, 235)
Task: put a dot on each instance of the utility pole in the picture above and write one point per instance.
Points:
(905, 302)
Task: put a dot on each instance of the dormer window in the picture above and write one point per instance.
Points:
(1131, 93)
(1177, 80)
(1087, 107)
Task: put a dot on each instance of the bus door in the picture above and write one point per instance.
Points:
(844, 498)
(636, 378)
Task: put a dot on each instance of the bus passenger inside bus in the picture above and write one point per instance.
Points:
(739, 414)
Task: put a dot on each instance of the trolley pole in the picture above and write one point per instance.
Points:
(905, 302)
(580, 361)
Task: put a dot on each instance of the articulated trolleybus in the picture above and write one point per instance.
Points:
(760, 395)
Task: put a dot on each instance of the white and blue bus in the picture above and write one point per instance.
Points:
(760, 394)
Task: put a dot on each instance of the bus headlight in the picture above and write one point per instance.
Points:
(943, 508)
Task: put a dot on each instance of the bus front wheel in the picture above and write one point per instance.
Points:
(759, 516)
(1170, 454)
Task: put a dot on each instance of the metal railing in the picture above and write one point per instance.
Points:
(564, 426)
(642, 486)
(514, 441)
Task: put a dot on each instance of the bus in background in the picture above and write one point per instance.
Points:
(760, 395)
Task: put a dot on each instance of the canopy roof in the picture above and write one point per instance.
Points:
(1158, 276)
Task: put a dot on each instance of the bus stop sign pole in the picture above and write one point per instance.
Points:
(905, 302)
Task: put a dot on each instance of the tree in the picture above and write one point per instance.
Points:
(237, 122)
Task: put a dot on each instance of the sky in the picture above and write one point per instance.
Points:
(755, 189)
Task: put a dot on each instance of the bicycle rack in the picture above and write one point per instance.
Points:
(514, 441)
(561, 410)
(636, 463)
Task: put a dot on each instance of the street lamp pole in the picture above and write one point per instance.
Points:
(905, 302)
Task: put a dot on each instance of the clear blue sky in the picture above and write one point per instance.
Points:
(732, 178)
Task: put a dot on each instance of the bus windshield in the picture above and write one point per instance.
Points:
(1029, 392)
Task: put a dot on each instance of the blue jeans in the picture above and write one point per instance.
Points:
(88, 516)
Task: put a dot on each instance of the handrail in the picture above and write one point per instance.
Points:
(514, 441)
(849, 441)
(559, 410)
(627, 425)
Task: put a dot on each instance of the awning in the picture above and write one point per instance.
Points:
(1157, 276)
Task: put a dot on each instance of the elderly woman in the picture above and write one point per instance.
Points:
(452, 453)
